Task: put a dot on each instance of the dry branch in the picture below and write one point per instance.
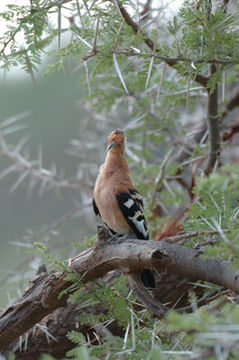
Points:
(231, 105)
(50, 335)
(39, 300)
(32, 169)
(129, 256)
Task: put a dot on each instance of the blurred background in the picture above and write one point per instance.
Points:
(55, 127)
(51, 116)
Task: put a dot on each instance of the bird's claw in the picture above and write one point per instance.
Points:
(114, 240)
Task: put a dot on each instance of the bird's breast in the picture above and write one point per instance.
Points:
(108, 207)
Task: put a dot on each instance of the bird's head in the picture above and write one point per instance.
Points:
(116, 140)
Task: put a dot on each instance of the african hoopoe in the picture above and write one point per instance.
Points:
(116, 200)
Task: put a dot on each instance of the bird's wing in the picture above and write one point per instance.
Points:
(95, 208)
(97, 212)
(131, 205)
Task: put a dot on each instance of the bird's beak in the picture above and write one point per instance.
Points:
(111, 145)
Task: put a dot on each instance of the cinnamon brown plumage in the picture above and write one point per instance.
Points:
(116, 200)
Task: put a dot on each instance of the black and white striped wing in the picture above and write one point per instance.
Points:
(131, 205)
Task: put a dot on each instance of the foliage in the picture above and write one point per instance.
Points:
(42, 250)
(151, 79)
(216, 208)
(210, 330)
(118, 306)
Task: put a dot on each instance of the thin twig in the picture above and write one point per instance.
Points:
(167, 59)
(177, 238)
(206, 299)
(59, 28)
(212, 120)
(96, 34)
(160, 176)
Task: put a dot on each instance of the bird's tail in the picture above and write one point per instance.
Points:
(148, 279)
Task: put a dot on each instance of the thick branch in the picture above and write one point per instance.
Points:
(136, 285)
(131, 256)
(39, 300)
(50, 335)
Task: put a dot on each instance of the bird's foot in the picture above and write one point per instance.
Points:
(115, 239)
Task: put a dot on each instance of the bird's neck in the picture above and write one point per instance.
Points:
(114, 161)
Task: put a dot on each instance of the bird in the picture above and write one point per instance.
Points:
(116, 200)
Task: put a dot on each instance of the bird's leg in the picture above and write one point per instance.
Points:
(116, 239)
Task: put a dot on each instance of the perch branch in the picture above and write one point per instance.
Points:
(129, 256)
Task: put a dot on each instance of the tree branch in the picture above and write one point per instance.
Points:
(201, 79)
(48, 179)
(50, 335)
(232, 104)
(176, 59)
(155, 306)
(213, 128)
(39, 300)
(129, 256)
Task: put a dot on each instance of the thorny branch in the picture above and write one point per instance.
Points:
(201, 79)
(33, 168)
(175, 60)
(171, 61)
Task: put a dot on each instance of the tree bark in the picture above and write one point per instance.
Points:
(130, 257)
(50, 336)
(39, 300)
